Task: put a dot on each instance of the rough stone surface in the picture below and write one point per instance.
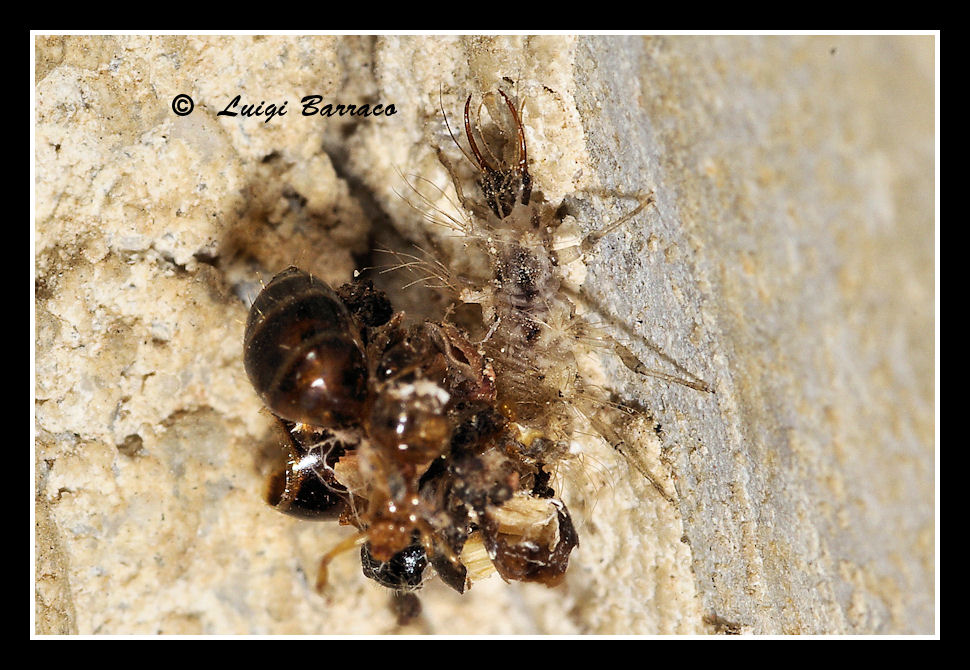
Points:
(788, 261)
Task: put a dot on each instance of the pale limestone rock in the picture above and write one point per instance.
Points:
(789, 262)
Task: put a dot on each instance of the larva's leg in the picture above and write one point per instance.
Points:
(477, 209)
(606, 429)
(571, 253)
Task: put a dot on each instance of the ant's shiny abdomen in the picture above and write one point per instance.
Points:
(303, 354)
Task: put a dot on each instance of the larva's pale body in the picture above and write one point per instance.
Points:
(531, 327)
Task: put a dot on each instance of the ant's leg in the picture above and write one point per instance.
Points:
(346, 545)
(430, 546)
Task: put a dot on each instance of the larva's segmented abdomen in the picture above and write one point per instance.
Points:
(526, 280)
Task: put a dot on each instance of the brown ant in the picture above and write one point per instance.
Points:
(397, 431)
